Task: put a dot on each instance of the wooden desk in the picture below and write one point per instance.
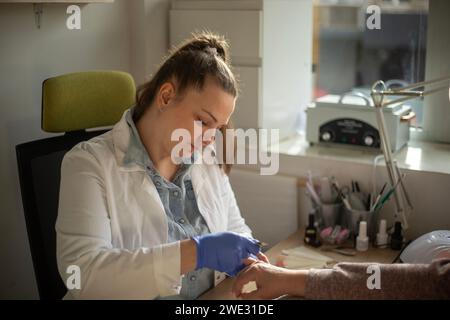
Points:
(223, 290)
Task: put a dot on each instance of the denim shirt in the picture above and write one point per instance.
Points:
(180, 205)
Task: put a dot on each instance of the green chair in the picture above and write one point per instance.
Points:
(71, 104)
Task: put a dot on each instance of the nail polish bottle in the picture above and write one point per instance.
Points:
(397, 237)
(382, 236)
(311, 232)
(362, 241)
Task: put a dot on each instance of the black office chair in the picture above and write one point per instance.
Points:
(71, 104)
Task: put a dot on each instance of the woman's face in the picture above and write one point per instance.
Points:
(199, 112)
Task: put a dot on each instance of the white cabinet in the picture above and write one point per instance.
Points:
(267, 203)
(245, 25)
(247, 113)
(271, 51)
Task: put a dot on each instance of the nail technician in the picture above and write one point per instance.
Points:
(138, 225)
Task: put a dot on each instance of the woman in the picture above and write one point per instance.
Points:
(138, 224)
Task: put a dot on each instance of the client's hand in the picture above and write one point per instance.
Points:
(271, 281)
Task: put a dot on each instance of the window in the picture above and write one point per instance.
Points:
(349, 56)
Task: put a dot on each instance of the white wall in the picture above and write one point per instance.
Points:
(149, 22)
(28, 56)
(437, 106)
(267, 203)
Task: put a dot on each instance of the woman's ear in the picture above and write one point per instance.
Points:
(166, 95)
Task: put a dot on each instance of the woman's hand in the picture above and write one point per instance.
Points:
(226, 251)
(271, 281)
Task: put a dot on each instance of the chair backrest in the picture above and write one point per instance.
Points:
(39, 163)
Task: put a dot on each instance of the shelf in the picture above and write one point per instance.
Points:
(38, 5)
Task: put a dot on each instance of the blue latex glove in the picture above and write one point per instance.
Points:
(225, 251)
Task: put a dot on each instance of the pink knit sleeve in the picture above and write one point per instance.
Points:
(395, 281)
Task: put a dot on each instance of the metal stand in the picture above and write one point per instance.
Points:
(391, 165)
(379, 91)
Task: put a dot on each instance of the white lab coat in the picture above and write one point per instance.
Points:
(112, 225)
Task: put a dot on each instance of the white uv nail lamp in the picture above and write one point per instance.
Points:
(427, 247)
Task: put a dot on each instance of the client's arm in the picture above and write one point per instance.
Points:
(349, 281)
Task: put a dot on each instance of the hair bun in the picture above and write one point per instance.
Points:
(212, 51)
(208, 42)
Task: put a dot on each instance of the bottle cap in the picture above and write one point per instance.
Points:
(362, 230)
(398, 229)
(311, 219)
(382, 229)
(382, 236)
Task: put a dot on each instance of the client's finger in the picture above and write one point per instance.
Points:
(263, 257)
(249, 261)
